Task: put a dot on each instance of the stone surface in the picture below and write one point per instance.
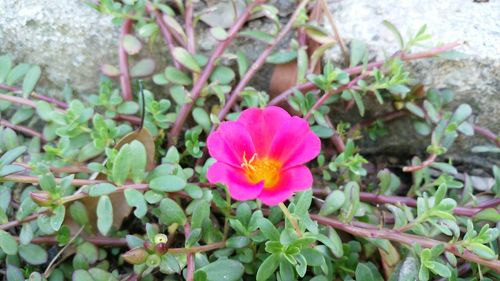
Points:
(71, 41)
(68, 39)
(474, 79)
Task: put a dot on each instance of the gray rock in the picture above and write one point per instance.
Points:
(474, 79)
(68, 39)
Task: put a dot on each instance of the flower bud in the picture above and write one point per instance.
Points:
(153, 261)
(161, 248)
(42, 198)
(135, 256)
(148, 245)
(160, 238)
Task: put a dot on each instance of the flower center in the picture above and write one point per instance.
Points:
(261, 169)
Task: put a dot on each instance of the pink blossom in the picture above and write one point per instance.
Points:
(262, 155)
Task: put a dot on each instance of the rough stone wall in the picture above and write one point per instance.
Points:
(70, 41)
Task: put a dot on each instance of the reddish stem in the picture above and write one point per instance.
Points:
(410, 202)
(430, 159)
(337, 140)
(328, 94)
(190, 256)
(123, 57)
(308, 86)
(260, 61)
(167, 36)
(15, 223)
(404, 238)
(22, 129)
(485, 132)
(200, 83)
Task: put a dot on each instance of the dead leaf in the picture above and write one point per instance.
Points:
(121, 209)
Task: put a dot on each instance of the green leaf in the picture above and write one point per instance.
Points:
(101, 189)
(33, 254)
(7, 243)
(10, 169)
(242, 63)
(82, 275)
(489, 214)
(17, 72)
(177, 77)
(79, 213)
(281, 57)
(138, 165)
(200, 214)
(223, 75)
(238, 242)
(201, 117)
(219, 33)
(171, 212)
(110, 70)
(268, 229)
(104, 215)
(259, 35)
(143, 68)
(415, 109)
(11, 155)
(136, 199)
(5, 66)
(286, 270)
(14, 273)
(359, 102)
(121, 165)
(128, 107)
(482, 251)
(358, 52)
(367, 273)
(168, 183)
(223, 270)
(396, 33)
(186, 59)
(131, 44)
(439, 268)
(463, 112)
(334, 244)
(30, 80)
(303, 202)
(57, 218)
(268, 266)
(48, 183)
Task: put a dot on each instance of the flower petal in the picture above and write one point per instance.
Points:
(235, 180)
(263, 124)
(292, 180)
(295, 143)
(230, 142)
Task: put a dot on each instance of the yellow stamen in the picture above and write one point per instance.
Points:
(261, 169)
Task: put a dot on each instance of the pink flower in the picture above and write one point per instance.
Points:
(262, 155)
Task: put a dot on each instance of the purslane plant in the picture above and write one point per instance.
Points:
(119, 185)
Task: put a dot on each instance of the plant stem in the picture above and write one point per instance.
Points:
(410, 202)
(48, 270)
(430, 159)
(167, 36)
(190, 256)
(485, 132)
(188, 20)
(200, 83)
(18, 90)
(337, 140)
(123, 60)
(404, 238)
(22, 129)
(308, 86)
(260, 61)
(122, 242)
(328, 94)
(290, 217)
(331, 20)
